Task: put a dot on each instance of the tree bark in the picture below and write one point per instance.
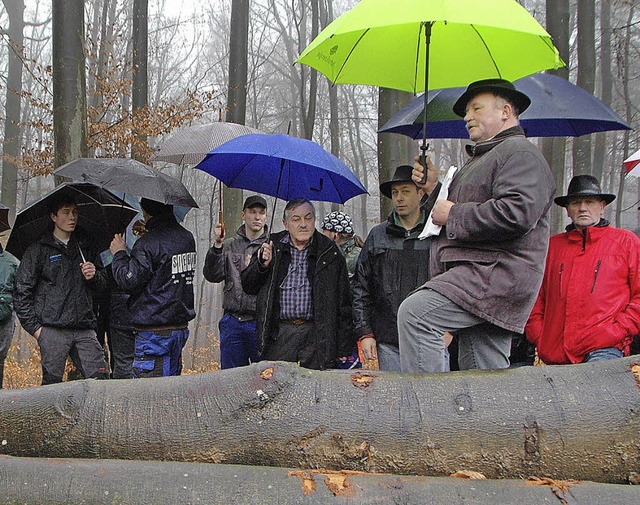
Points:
(140, 94)
(60, 481)
(69, 82)
(564, 422)
(606, 95)
(12, 130)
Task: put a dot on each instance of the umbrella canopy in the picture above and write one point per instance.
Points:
(631, 164)
(558, 109)
(417, 45)
(4, 218)
(382, 43)
(189, 145)
(101, 214)
(128, 176)
(282, 166)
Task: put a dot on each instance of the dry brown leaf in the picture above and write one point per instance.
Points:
(266, 374)
(468, 474)
(362, 380)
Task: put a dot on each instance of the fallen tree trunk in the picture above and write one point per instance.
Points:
(60, 481)
(565, 422)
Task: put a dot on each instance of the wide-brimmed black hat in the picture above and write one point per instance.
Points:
(584, 185)
(402, 174)
(500, 87)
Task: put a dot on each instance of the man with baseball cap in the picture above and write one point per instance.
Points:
(224, 262)
(393, 263)
(588, 308)
(487, 262)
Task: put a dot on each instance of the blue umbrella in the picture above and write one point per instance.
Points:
(558, 109)
(282, 166)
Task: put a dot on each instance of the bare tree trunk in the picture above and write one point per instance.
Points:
(69, 82)
(12, 130)
(586, 78)
(564, 422)
(393, 150)
(606, 78)
(309, 115)
(139, 97)
(59, 482)
(236, 97)
(554, 148)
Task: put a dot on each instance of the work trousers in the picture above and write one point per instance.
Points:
(158, 353)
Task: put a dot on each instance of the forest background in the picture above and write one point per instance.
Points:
(190, 68)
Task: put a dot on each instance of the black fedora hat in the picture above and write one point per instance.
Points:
(500, 87)
(581, 186)
(402, 174)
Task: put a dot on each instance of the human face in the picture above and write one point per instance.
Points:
(300, 223)
(585, 211)
(406, 199)
(254, 219)
(486, 116)
(65, 220)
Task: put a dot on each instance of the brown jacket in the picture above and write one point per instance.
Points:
(489, 259)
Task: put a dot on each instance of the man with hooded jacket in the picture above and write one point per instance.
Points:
(588, 308)
(158, 275)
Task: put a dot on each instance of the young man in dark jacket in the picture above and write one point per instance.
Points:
(53, 300)
(304, 299)
(393, 262)
(159, 278)
(224, 262)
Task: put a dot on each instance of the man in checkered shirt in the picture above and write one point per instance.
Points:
(303, 308)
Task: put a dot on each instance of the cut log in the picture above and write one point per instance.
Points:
(565, 422)
(63, 481)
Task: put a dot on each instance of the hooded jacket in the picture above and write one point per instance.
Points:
(330, 294)
(489, 258)
(392, 264)
(159, 274)
(50, 289)
(590, 295)
(225, 264)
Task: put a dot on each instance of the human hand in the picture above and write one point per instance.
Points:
(266, 253)
(88, 270)
(448, 337)
(36, 334)
(441, 211)
(117, 244)
(368, 346)
(418, 174)
(219, 230)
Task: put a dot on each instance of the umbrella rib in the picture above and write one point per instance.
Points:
(495, 65)
(353, 48)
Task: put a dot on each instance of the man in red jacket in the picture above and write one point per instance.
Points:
(588, 308)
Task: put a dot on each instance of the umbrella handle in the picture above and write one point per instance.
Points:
(423, 161)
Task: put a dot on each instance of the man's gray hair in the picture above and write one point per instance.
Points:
(294, 204)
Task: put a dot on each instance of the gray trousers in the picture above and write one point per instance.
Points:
(83, 346)
(425, 315)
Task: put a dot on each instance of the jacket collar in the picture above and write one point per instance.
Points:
(482, 147)
(395, 229)
(242, 232)
(588, 234)
(155, 221)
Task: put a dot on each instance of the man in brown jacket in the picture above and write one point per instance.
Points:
(488, 260)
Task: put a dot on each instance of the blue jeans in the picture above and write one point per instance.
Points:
(159, 353)
(238, 342)
(603, 355)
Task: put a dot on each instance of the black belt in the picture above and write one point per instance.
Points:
(297, 322)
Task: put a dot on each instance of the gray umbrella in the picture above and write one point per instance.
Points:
(128, 176)
(189, 145)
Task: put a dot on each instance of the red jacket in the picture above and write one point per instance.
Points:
(590, 294)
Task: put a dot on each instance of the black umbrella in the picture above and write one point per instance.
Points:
(101, 214)
(128, 176)
(4, 218)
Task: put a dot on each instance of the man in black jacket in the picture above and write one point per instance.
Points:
(52, 297)
(159, 277)
(393, 262)
(304, 299)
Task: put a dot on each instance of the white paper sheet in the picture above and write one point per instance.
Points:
(431, 229)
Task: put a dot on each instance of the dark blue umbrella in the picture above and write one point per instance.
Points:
(282, 166)
(558, 109)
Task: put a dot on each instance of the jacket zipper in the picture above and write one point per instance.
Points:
(560, 277)
(595, 276)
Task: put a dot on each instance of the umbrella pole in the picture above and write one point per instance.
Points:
(424, 147)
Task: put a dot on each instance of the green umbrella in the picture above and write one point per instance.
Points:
(413, 45)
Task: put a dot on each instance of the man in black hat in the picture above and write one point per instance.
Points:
(588, 308)
(224, 262)
(393, 262)
(158, 275)
(487, 262)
